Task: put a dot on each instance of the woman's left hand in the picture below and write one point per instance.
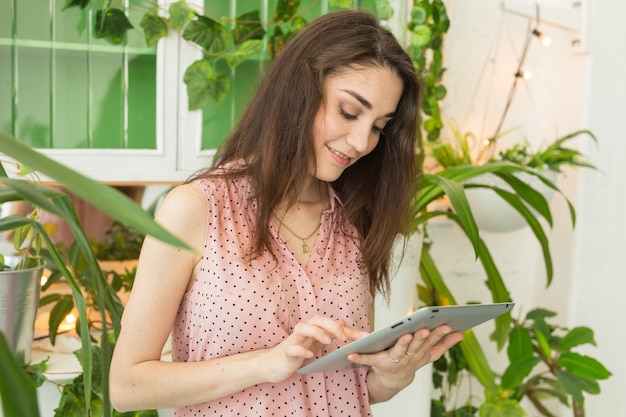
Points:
(394, 369)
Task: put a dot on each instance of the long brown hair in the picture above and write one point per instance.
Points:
(274, 135)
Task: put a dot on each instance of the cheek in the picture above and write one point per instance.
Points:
(371, 145)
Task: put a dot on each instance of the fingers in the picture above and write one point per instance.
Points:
(415, 349)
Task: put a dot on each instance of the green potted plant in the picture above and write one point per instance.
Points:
(21, 269)
(94, 358)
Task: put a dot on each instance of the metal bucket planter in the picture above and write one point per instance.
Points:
(19, 299)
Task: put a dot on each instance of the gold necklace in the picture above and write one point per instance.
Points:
(304, 248)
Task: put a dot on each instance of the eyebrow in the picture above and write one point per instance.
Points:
(364, 101)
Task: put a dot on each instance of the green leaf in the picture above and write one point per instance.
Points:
(60, 310)
(101, 196)
(576, 337)
(72, 401)
(76, 3)
(211, 35)
(542, 336)
(418, 15)
(420, 36)
(583, 366)
(475, 357)
(285, 10)
(517, 371)
(50, 298)
(243, 52)
(520, 344)
(455, 192)
(95, 365)
(35, 372)
(17, 391)
(248, 27)
(204, 83)
(154, 28)
(112, 24)
(575, 386)
(539, 314)
(180, 14)
(496, 406)
(384, 11)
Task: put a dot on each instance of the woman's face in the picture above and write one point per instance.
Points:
(359, 101)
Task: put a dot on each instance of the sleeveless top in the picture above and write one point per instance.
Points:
(238, 304)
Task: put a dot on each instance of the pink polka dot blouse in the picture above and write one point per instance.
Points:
(239, 305)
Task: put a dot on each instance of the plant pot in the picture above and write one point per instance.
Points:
(414, 400)
(492, 213)
(19, 299)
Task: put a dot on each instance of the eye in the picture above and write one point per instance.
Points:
(347, 115)
(379, 130)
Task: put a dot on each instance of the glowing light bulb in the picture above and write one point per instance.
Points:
(527, 74)
(70, 318)
(545, 40)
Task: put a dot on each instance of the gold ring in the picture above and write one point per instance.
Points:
(392, 359)
(408, 355)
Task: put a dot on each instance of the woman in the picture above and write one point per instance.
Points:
(293, 230)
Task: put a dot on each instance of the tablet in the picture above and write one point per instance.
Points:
(458, 317)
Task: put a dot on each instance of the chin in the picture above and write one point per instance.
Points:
(328, 175)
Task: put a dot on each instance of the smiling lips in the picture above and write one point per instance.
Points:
(340, 158)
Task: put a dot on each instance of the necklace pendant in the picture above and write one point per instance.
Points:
(304, 248)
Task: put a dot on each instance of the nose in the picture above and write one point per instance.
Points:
(359, 138)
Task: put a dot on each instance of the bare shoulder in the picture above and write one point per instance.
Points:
(184, 213)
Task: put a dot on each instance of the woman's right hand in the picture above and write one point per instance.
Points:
(306, 340)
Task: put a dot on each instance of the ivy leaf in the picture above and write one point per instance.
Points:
(180, 14)
(577, 336)
(76, 3)
(248, 27)
(60, 310)
(340, 4)
(112, 24)
(285, 10)
(35, 372)
(243, 52)
(517, 371)
(276, 42)
(205, 83)
(154, 28)
(96, 368)
(418, 15)
(384, 11)
(420, 36)
(211, 35)
(583, 366)
(72, 401)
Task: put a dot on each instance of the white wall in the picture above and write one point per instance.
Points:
(573, 87)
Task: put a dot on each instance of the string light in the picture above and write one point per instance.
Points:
(545, 40)
(525, 74)
(70, 318)
(44, 279)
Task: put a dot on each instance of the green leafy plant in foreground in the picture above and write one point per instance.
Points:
(542, 366)
(95, 365)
